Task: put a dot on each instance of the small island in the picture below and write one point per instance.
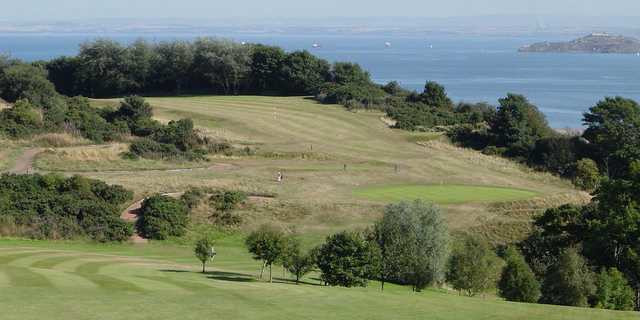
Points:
(593, 43)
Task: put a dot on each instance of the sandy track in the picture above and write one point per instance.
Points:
(24, 163)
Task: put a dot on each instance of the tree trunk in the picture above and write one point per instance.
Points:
(203, 267)
(264, 263)
(382, 287)
(270, 276)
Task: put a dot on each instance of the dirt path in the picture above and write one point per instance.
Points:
(24, 163)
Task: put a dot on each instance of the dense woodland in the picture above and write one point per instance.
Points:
(580, 256)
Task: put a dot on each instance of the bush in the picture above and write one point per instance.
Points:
(347, 260)
(54, 207)
(162, 217)
(21, 120)
(517, 281)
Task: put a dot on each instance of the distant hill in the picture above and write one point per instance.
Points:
(593, 43)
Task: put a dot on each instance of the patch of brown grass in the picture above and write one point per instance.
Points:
(59, 140)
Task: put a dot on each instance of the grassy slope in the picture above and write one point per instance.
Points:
(160, 281)
(313, 143)
(443, 194)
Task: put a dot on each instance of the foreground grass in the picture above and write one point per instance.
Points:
(443, 194)
(160, 281)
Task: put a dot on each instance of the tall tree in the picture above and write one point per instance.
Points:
(569, 282)
(517, 281)
(613, 291)
(613, 128)
(435, 95)
(473, 267)
(414, 244)
(517, 125)
(266, 244)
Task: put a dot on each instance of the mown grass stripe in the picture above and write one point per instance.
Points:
(9, 258)
(90, 271)
(187, 285)
(52, 262)
(25, 277)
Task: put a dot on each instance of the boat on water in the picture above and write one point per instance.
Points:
(387, 44)
(316, 45)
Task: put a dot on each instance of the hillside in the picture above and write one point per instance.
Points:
(312, 144)
(593, 43)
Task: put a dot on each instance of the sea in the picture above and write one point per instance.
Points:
(473, 68)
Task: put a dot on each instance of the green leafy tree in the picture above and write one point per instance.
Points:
(266, 63)
(162, 217)
(346, 259)
(517, 126)
(349, 73)
(435, 95)
(473, 267)
(29, 82)
(296, 261)
(569, 282)
(414, 244)
(268, 245)
(613, 128)
(303, 73)
(517, 281)
(587, 176)
(613, 291)
(204, 251)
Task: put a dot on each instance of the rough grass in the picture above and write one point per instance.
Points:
(103, 158)
(66, 280)
(443, 194)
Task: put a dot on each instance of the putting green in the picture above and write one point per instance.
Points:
(442, 194)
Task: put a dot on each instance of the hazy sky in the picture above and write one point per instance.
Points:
(262, 9)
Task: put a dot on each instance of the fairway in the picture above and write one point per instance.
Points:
(443, 194)
(67, 280)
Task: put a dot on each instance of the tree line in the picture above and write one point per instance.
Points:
(410, 245)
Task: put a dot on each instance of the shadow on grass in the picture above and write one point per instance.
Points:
(229, 276)
(175, 271)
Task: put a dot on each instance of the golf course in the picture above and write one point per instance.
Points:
(340, 168)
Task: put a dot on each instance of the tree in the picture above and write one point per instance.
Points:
(569, 282)
(204, 251)
(613, 291)
(517, 281)
(587, 176)
(266, 63)
(435, 95)
(162, 217)
(303, 73)
(346, 259)
(297, 262)
(517, 125)
(266, 244)
(349, 73)
(225, 64)
(172, 66)
(414, 244)
(473, 267)
(29, 82)
(613, 127)
(103, 69)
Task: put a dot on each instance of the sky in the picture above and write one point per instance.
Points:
(277, 9)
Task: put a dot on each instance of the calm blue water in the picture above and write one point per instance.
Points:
(473, 68)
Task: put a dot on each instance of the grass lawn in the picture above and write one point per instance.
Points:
(61, 280)
(443, 194)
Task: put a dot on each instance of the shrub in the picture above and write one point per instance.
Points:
(162, 217)
(54, 207)
(517, 281)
